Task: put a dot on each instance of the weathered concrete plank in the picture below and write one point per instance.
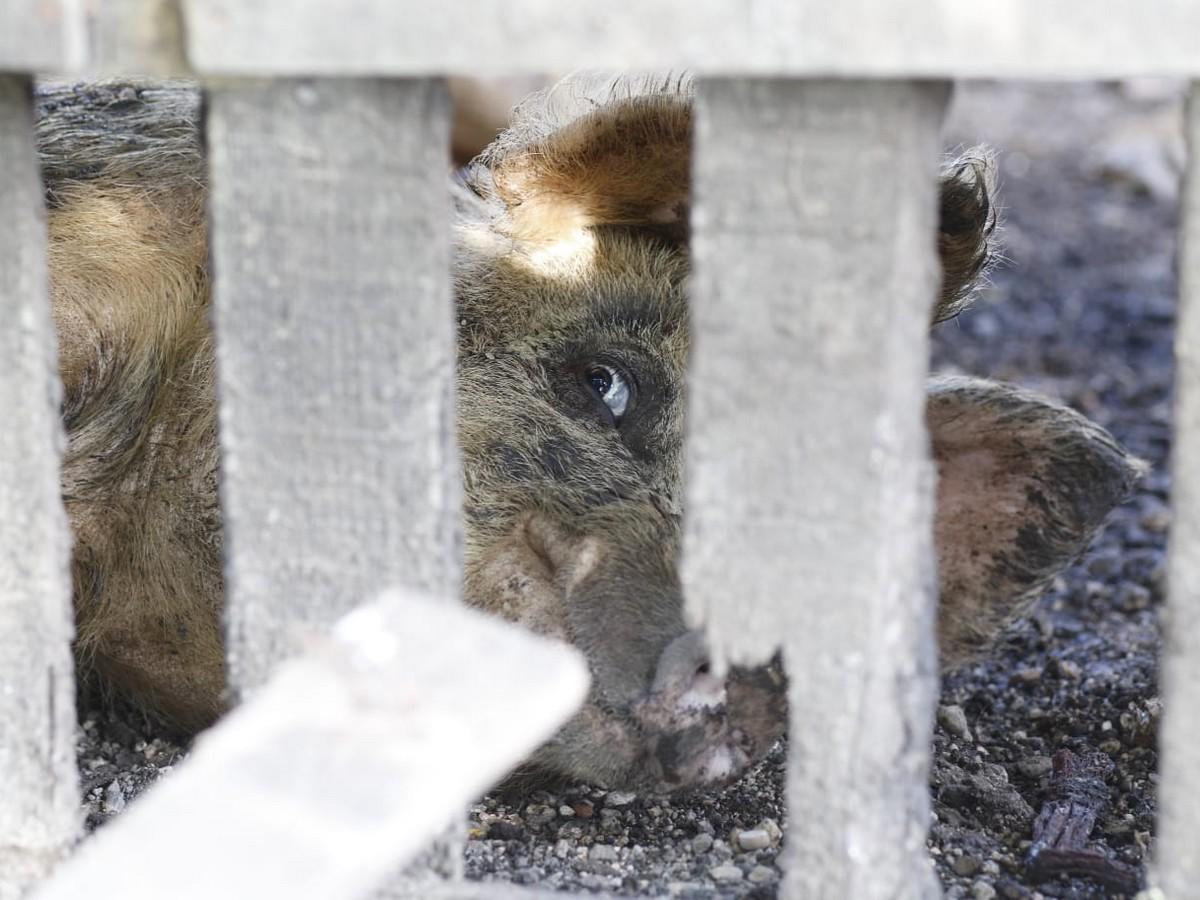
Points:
(343, 765)
(809, 509)
(1178, 851)
(139, 37)
(335, 349)
(907, 38)
(39, 814)
(42, 35)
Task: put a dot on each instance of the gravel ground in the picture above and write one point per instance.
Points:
(1083, 310)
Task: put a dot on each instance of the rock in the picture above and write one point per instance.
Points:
(1034, 766)
(762, 875)
(583, 809)
(954, 720)
(751, 839)
(1068, 669)
(566, 811)
(605, 853)
(1133, 597)
(725, 874)
(114, 798)
(966, 864)
(1030, 675)
(505, 831)
(620, 798)
(537, 815)
(702, 843)
(981, 890)
(771, 827)
(1156, 520)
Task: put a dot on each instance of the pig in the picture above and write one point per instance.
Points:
(570, 274)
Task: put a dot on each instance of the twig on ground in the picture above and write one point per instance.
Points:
(1078, 793)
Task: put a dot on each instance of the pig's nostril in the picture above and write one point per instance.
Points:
(704, 668)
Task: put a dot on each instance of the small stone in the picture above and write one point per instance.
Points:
(562, 848)
(954, 720)
(1133, 597)
(620, 798)
(505, 831)
(771, 827)
(702, 843)
(981, 890)
(1156, 520)
(1030, 675)
(602, 853)
(1035, 766)
(114, 798)
(752, 839)
(537, 815)
(725, 874)
(1068, 670)
(762, 875)
(583, 809)
(566, 811)
(966, 864)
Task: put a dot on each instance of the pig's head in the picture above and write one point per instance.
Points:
(571, 267)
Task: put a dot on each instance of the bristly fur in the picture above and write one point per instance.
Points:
(545, 173)
(968, 223)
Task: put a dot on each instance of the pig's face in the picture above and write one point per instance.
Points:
(571, 269)
(571, 372)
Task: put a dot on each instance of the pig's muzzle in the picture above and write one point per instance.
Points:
(700, 730)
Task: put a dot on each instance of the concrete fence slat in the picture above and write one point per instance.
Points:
(335, 351)
(39, 815)
(42, 35)
(342, 765)
(809, 510)
(1177, 852)
(140, 37)
(901, 38)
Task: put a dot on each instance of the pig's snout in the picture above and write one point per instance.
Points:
(685, 674)
(702, 729)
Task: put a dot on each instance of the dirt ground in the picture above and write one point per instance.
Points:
(1082, 310)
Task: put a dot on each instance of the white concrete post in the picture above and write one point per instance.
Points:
(335, 352)
(39, 815)
(144, 37)
(809, 508)
(342, 765)
(1178, 850)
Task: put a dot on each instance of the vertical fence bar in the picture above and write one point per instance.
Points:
(140, 36)
(39, 812)
(809, 509)
(335, 349)
(1178, 850)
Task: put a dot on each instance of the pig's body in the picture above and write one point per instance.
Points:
(569, 274)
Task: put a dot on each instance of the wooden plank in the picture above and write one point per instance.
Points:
(42, 35)
(809, 509)
(335, 350)
(1177, 852)
(343, 765)
(902, 38)
(39, 814)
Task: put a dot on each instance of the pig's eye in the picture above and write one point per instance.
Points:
(611, 387)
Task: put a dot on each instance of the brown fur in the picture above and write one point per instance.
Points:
(571, 254)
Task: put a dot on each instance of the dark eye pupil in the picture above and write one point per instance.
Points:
(600, 381)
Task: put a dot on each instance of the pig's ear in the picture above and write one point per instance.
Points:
(587, 154)
(1023, 484)
(967, 219)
